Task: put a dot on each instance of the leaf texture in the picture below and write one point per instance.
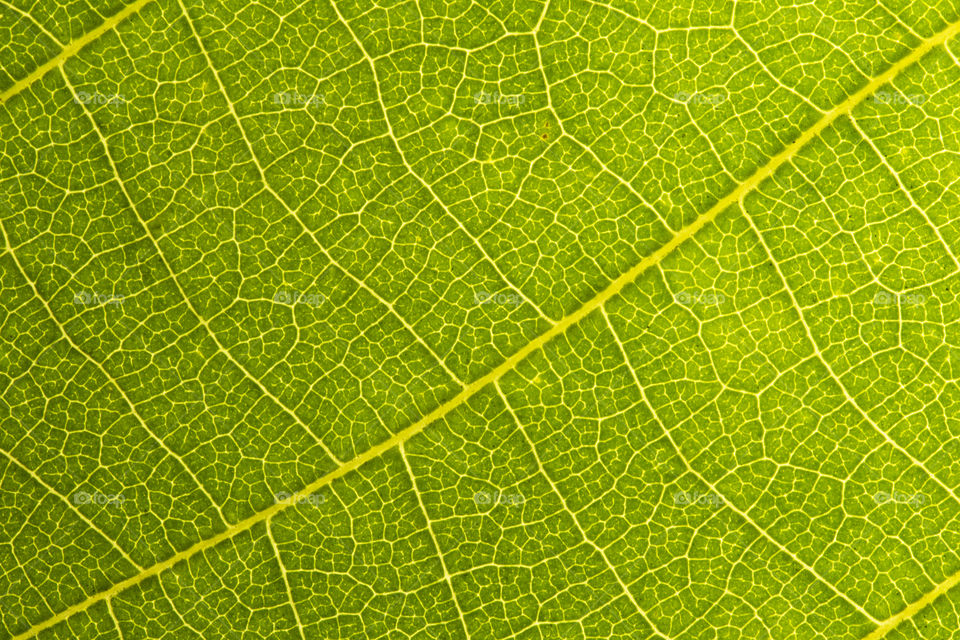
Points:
(486, 319)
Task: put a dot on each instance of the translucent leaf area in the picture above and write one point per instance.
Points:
(480, 319)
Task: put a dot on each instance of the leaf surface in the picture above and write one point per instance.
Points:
(491, 319)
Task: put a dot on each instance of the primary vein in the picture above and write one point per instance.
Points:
(911, 609)
(72, 49)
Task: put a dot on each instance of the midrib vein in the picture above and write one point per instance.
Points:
(510, 363)
(911, 609)
(72, 49)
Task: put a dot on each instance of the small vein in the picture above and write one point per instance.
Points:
(175, 610)
(33, 20)
(72, 507)
(436, 545)
(291, 211)
(110, 378)
(729, 504)
(72, 49)
(914, 607)
(113, 616)
(403, 158)
(833, 376)
(616, 176)
(183, 294)
(903, 188)
(576, 521)
(286, 581)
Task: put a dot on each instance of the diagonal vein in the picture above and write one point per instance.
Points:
(33, 21)
(72, 49)
(833, 375)
(436, 545)
(728, 503)
(174, 609)
(557, 329)
(913, 608)
(116, 621)
(286, 581)
(293, 212)
(576, 521)
(410, 169)
(903, 188)
(71, 506)
(183, 294)
(616, 176)
(110, 378)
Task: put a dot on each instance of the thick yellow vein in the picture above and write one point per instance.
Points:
(911, 609)
(558, 329)
(72, 49)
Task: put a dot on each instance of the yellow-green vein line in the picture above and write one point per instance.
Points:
(559, 328)
(72, 49)
(911, 609)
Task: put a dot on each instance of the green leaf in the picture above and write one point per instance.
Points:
(497, 319)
